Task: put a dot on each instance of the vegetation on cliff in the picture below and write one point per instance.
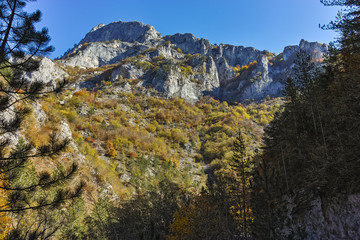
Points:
(162, 168)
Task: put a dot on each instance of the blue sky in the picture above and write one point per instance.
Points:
(263, 24)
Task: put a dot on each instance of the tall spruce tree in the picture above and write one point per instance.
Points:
(241, 167)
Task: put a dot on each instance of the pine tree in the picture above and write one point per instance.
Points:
(20, 46)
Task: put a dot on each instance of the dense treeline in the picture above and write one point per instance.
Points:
(311, 149)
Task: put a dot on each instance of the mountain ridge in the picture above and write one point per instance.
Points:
(184, 66)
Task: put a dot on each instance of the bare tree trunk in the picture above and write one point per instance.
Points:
(322, 130)
(7, 33)
(244, 195)
(313, 118)
(283, 161)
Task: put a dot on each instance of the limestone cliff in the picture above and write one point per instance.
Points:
(189, 67)
(332, 219)
(124, 31)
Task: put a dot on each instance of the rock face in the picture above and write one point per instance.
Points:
(123, 31)
(182, 65)
(100, 53)
(189, 44)
(48, 72)
(189, 86)
(238, 55)
(337, 218)
(257, 85)
(314, 49)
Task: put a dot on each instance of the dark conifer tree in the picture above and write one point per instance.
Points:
(20, 47)
(240, 185)
(311, 148)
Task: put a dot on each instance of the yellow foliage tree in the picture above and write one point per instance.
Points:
(5, 220)
(110, 150)
(183, 226)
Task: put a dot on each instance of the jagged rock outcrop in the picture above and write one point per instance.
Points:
(123, 31)
(129, 71)
(239, 55)
(189, 86)
(314, 49)
(48, 73)
(256, 85)
(189, 44)
(182, 65)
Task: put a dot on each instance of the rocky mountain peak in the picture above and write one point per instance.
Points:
(123, 31)
(182, 65)
(314, 49)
